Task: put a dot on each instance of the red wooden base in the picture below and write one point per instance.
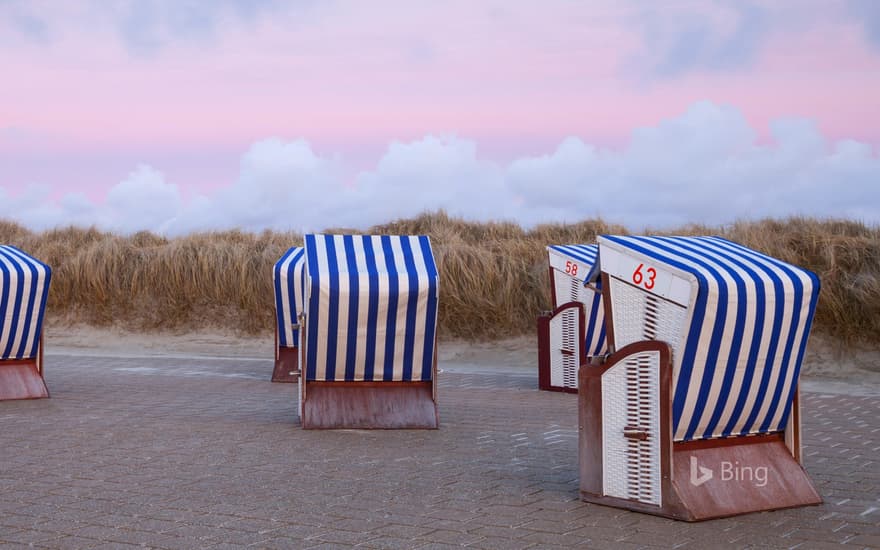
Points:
(21, 380)
(699, 480)
(369, 405)
(286, 365)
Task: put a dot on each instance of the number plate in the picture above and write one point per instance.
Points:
(646, 275)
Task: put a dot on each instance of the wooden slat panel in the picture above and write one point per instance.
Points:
(20, 380)
(365, 405)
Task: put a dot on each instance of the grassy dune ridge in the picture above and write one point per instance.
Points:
(493, 275)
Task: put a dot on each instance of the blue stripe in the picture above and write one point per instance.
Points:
(738, 330)
(782, 375)
(757, 336)
(690, 350)
(43, 301)
(332, 307)
(4, 300)
(16, 311)
(714, 341)
(412, 303)
(372, 309)
(584, 252)
(601, 344)
(279, 302)
(39, 312)
(391, 321)
(814, 298)
(775, 332)
(591, 324)
(431, 316)
(353, 297)
(29, 307)
(314, 300)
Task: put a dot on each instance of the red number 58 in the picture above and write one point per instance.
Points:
(639, 277)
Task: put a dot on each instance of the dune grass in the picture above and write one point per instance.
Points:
(493, 275)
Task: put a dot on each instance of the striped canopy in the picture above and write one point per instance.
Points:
(24, 285)
(577, 260)
(371, 308)
(287, 279)
(745, 320)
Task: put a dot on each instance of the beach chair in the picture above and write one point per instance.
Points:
(695, 413)
(24, 286)
(369, 335)
(575, 329)
(287, 281)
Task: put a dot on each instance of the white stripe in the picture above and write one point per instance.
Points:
(298, 297)
(403, 296)
(323, 309)
(421, 310)
(360, 257)
(285, 299)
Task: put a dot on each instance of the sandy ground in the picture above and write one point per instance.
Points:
(825, 358)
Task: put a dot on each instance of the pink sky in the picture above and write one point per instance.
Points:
(92, 90)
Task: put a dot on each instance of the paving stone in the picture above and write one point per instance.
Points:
(207, 453)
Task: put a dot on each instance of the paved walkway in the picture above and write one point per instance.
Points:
(188, 452)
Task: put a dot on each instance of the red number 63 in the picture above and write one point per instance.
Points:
(640, 279)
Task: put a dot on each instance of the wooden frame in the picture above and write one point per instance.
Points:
(700, 479)
(368, 404)
(23, 378)
(286, 362)
(544, 351)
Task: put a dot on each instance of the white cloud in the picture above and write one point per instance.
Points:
(281, 185)
(143, 200)
(430, 174)
(704, 166)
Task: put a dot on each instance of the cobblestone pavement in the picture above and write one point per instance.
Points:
(187, 452)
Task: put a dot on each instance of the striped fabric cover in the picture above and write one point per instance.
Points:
(585, 255)
(24, 285)
(749, 319)
(371, 307)
(287, 279)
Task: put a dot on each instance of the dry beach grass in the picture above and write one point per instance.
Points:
(494, 276)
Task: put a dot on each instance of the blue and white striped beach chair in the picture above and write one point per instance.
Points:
(695, 414)
(24, 287)
(369, 335)
(575, 328)
(287, 279)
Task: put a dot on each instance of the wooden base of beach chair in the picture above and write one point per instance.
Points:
(286, 365)
(369, 405)
(637, 466)
(21, 380)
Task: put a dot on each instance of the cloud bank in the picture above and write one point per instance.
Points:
(704, 166)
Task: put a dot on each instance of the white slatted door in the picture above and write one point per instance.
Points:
(631, 429)
(565, 349)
